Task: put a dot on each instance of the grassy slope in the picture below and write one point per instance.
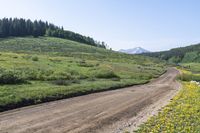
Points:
(57, 68)
(182, 114)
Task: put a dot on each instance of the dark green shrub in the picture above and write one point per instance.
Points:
(15, 57)
(91, 79)
(107, 74)
(65, 82)
(85, 64)
(35, 58)
(10, 77)
(115, 79)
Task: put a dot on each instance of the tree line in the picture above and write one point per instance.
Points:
(187, 54)
(19, 27)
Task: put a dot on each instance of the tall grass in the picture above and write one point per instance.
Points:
(58, 68)
(188, 76)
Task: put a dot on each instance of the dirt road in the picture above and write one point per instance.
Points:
(99, 112)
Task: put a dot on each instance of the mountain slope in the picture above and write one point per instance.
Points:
(35, 70)
(183, 54)
(136, 50)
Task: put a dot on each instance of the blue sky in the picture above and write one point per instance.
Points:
(152, 24)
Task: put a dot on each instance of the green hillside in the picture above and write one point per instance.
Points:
(19, 27)
(35, 70)
(179, 55)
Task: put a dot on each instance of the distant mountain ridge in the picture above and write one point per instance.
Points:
(136, 50)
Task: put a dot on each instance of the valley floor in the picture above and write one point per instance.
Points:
(98, 112)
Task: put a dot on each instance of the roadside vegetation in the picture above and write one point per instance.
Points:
(183, 112)
(193, 67)
(190, 72)
(36, 70)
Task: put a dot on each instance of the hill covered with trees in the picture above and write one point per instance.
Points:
(22, 27)
(179, 55)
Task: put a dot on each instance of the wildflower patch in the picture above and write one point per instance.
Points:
(181, 115)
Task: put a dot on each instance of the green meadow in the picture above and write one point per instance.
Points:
(36, 70)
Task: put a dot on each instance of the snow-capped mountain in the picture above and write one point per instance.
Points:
(137, 50)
